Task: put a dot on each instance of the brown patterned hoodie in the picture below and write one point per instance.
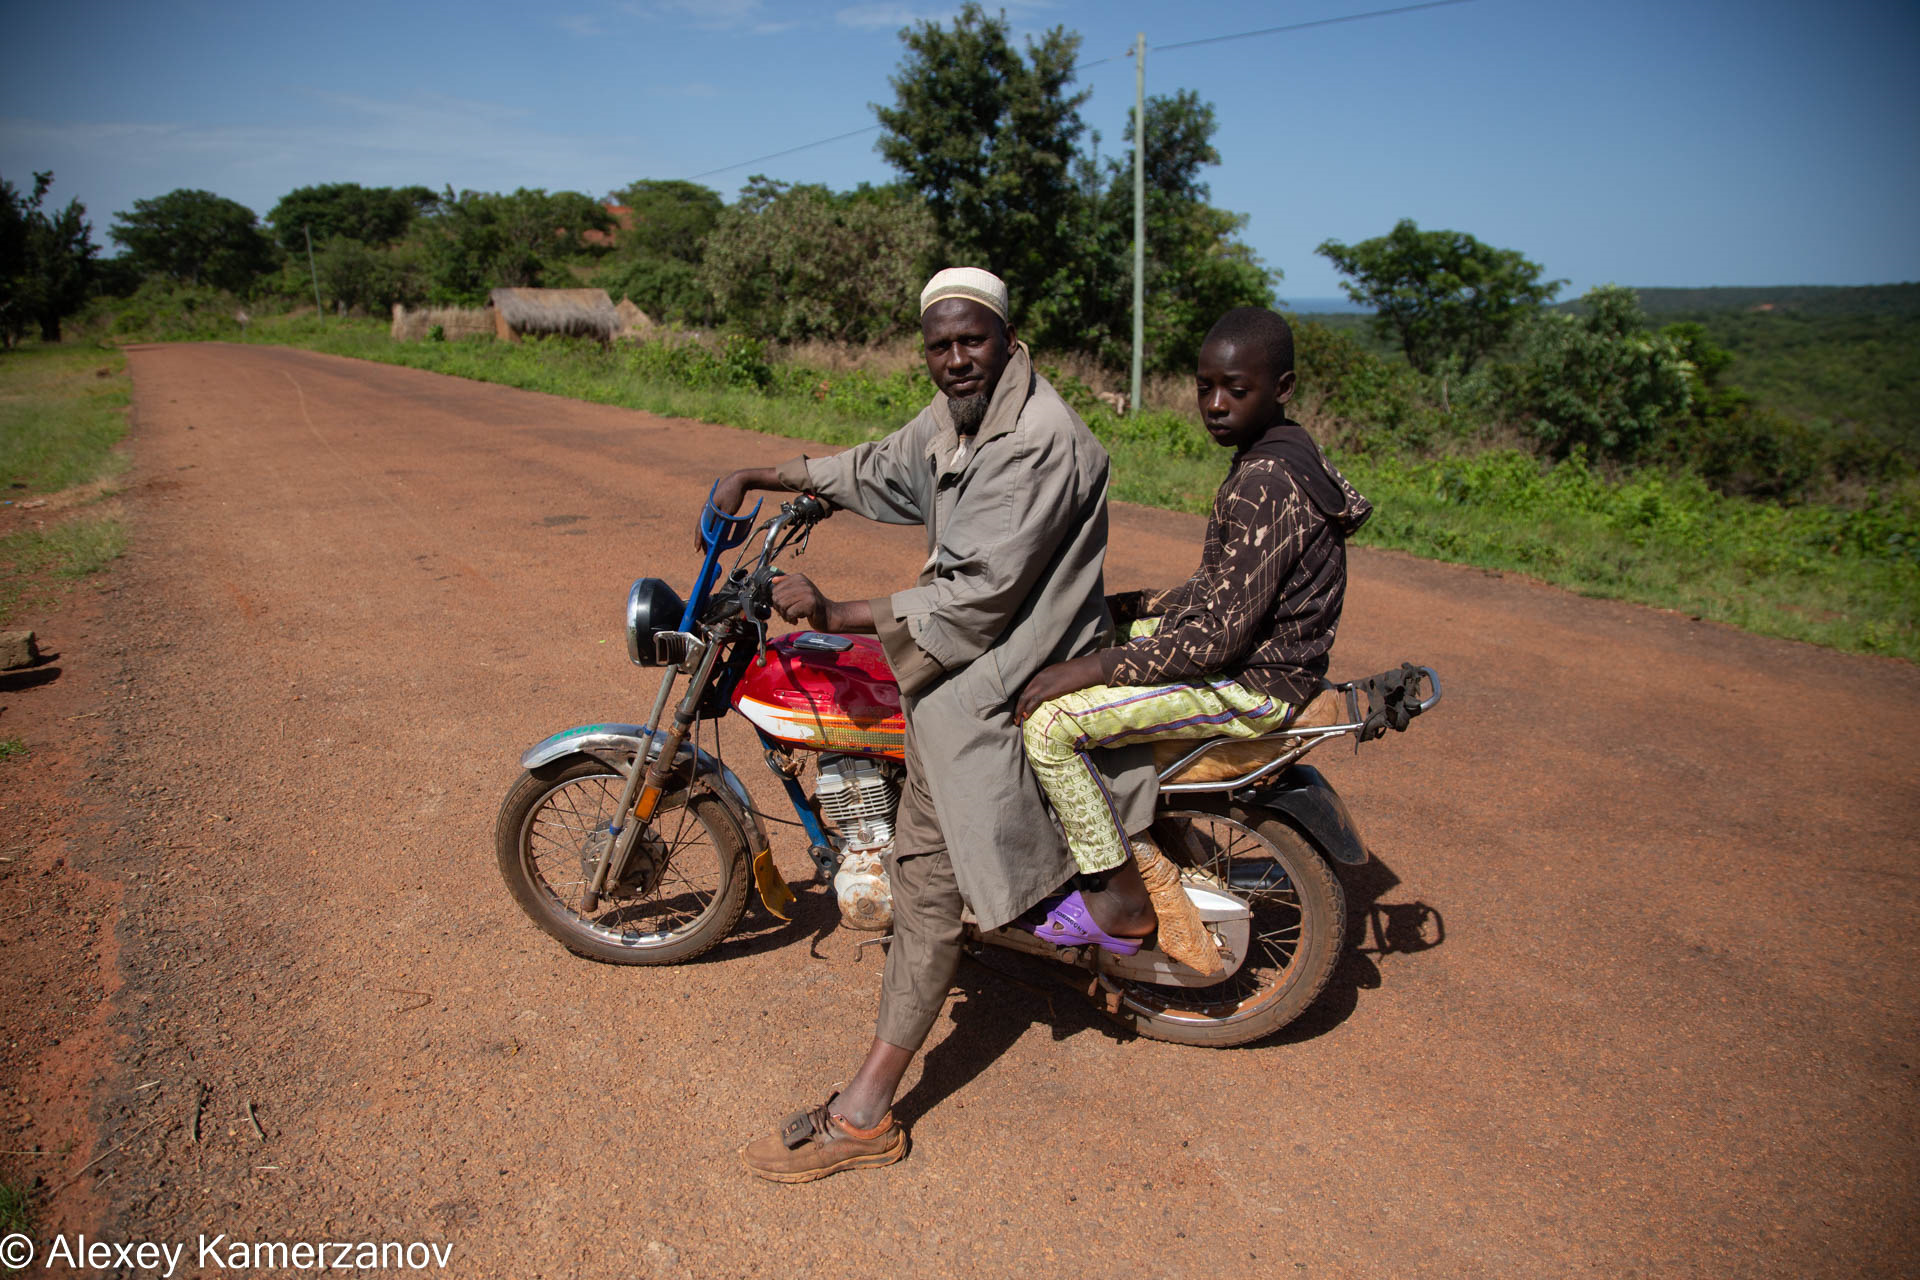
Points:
(1263, 607)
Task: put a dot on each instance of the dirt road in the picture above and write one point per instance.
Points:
(1668, 1028)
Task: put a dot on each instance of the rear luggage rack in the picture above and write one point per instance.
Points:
(1390, 698)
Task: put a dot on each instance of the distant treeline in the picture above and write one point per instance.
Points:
(1814, 301)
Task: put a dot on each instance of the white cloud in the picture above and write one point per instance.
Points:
(755, 17)
(893, 16)
(866, 16)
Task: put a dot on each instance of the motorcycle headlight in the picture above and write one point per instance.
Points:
(652, 606)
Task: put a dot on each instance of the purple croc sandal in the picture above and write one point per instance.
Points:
(1071, 925)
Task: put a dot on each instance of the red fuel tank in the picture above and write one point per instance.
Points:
(825, 693)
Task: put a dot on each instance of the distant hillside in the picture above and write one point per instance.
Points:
(1813, 301)
(1342, 306)
(1832, 357)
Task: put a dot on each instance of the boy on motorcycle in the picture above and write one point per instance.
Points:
(1235, 651)
(1011, 488)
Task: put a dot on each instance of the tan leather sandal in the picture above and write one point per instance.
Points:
(1182, 935)
(813, 1144)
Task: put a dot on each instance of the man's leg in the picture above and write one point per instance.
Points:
(921, 961)
(850, 1129)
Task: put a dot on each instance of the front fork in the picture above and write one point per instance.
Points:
(641, 798)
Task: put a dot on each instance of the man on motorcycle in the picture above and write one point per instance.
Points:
(1011, 488)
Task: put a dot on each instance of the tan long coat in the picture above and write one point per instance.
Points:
(1016, 536)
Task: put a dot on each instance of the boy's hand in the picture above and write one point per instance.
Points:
(1062, 677)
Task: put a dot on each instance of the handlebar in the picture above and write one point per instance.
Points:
(747, 590)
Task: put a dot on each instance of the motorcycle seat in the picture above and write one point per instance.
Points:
(1243, 756)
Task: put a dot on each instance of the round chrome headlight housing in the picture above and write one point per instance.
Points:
(652, 607)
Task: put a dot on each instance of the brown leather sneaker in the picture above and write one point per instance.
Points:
(813, 1144)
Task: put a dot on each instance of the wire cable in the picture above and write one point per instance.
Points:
(1081, 66)
(1302, 26)
(805, 146)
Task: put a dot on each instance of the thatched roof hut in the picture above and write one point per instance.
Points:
(581, 313)
(634, 323)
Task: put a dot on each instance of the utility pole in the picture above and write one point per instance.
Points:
(1139, 210)
(313, 272)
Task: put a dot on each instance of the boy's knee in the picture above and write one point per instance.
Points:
(1049, 731)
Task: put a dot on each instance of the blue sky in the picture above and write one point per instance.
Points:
(1705, 143)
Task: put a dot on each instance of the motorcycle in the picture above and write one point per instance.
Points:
(634, 843)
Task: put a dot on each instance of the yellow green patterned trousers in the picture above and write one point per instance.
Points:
(1060, 733)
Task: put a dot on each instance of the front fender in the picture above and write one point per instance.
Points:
(1310, 800)
(617, 744)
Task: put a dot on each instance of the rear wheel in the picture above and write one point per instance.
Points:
(1299, 923)
(684, 886)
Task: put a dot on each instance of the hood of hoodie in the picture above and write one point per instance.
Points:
(1288, 443)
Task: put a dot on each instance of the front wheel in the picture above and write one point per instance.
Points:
(1299, 924)
(684, 886)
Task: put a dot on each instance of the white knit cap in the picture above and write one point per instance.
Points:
(971, 283)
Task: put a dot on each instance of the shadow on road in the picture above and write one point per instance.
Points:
(27, 678)
(995, 1007)
(1374, 929)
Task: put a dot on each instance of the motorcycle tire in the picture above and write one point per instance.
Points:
(685, 885)
(1300, 925)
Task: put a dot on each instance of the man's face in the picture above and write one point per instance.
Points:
(1239, 395)
(967, 350)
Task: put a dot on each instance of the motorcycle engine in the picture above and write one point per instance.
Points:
(859, 796)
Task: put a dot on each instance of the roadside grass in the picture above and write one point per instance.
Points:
(16, 1213)
(9, 748)
(62, 414)
(1847, 577)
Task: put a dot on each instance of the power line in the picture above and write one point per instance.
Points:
(805, 146)
(1302, 26)
(1081, 66)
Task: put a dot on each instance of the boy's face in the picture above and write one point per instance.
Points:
(1239, 395)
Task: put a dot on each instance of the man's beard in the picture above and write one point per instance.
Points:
(969, 412)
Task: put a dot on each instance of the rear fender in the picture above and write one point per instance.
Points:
(1300, 793)
(619, 746)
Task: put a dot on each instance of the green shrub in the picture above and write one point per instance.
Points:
(1598, 380)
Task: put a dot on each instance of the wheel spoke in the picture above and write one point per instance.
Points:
(675, 876)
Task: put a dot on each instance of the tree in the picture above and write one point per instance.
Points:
(46, 261)
(669, 218)
(988, 138)
(656, 259)
(801, 262)
(371, 215)
(195, 237)
(1448, 298)
(1196, 268)
(1600, 381)
(480, 240)
(367, 277)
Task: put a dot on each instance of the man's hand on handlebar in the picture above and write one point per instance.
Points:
(795, 597)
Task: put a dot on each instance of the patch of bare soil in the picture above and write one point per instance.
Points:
(58, 941)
